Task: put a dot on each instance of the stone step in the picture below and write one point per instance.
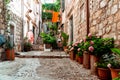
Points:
(38, 56)
(37, 47)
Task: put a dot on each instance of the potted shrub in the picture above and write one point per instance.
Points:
(9, 49)
(79, 55)
(65, 40)
(102, 69)
(27, 46)
(114, 63)
(2, 42)
(48, 40)
(100, 47)
(87, 46)
(72, 51)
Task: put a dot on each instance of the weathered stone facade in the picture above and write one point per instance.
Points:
(104, 18)
(2, 15)
(16, 22)
(78, 11)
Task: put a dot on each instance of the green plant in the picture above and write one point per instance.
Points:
(2, 40)
(80, 49)
(115, 61)
(101, 46)
(27, 44)
(116, 50)
(47, 38)
(9, 44)
(65, 38)
(104, 60)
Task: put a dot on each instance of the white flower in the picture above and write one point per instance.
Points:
(109, 65)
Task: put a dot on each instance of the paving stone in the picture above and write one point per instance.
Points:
(44, 69)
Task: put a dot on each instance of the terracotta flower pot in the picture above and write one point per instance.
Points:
(10, 54)
(72, 55)
(76, 58)
(93, 60)
(80, 59)
(104, 74)
(86, 60)
(114, 72)
(65, 47)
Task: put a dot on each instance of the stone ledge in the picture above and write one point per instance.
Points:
(35, 56)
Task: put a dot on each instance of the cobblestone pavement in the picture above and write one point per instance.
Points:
(44, 69)
(63, 69)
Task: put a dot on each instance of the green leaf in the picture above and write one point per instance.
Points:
(116, 50)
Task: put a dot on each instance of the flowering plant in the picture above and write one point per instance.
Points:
(80, 48)
(104, 61)
(115, 61)
(88, 42)
(98, 46)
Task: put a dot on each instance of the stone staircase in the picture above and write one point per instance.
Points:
(39, 44)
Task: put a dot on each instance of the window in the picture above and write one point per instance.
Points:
(63, 5)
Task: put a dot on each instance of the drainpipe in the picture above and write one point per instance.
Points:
(87, 15)
(22, 16)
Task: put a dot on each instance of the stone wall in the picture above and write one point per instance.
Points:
(2, 15)
(77, 9)
(80, 28)
(104, 18)
(16, 21)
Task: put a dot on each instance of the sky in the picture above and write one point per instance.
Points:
(48, 1)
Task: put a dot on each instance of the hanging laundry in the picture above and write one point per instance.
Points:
(30, 36)
(55, 16)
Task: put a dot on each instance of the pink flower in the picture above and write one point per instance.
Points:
(76, 44)
(109, 65)
(89, 35)
(91, 42)
(78, 49)
(72, 49)
(91, 48)
(81, 41)
(73, 44)
(84, 39)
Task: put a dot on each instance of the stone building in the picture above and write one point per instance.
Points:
(2, 16)
(19, 25)
(16, 29)
(100, 17)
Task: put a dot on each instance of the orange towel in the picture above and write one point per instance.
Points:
(55, 17)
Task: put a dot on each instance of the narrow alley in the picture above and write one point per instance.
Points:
(59, 39)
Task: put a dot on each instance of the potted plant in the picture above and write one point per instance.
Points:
(2, 42)
(102, 69)
(71, 51)
(27, 45)
(9, 49)
(114, 63)
(79, 55)
(87, 48)
(65, 40)
(100, 47)
(48, 40)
